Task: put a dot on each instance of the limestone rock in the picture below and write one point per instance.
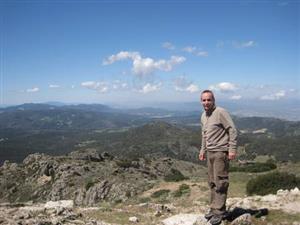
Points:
(185, 219)
(244, 219)
(133, 219)
(286, 200)
(68, 204)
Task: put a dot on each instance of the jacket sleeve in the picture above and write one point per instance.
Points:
(203, 145)
(230, 127)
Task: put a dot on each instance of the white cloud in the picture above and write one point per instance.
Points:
(119, 85)
(168, 45)
(73, 86)
(189, 49)
(202, 53)
(147, 88)
(98, 86)
(224, 87)
(145, 66)
(193, 50)
(181, 84)
(121, 56)
(280, 94)
(247, 44)
(54, 86)
(236, 97)
(192, 88)
(31, 90)
(276, 96)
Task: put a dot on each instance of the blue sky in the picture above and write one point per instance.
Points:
(149, 51)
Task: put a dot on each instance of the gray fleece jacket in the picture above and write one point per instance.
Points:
(218, 131)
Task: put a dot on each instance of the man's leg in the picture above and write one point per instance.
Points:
(221, 167)
(211, 183)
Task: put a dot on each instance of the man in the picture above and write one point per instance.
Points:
(218, 146)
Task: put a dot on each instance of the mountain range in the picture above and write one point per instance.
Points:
(143, 132)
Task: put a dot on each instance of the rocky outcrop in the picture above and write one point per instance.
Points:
(90, 155)
(86, 177)
(285, 200)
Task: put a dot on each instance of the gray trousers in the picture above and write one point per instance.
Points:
(218, 166)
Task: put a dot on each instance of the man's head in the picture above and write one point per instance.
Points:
(208, 100)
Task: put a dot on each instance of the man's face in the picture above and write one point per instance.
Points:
(207, 101)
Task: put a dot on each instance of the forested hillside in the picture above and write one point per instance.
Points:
(57, 130)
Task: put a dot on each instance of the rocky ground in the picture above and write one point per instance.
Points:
(86, 187)
(248, 210)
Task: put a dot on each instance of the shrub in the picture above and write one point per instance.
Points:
(271, 182)
(254, 168)
(174, 176)
(144, 200)
(160, 193)
(183, 189)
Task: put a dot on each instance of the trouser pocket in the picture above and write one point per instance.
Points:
(222, 184)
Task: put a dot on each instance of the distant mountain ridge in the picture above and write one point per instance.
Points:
(283, 109)
(58, 130)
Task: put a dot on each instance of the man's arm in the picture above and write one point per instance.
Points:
(203, 145)
(232, 132)
(202, 151)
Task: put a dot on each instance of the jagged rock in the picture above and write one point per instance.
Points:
(80, 196)
(244, 219)
(97, 192)
(36, 157)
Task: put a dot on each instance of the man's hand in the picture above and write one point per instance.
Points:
(202, 156)
(231, 155)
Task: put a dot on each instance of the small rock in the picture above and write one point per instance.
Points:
(244, 219)
(63, 203)
(185, 219)
(143, 204)
(133, 219)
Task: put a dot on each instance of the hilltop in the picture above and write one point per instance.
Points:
(103, 189)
